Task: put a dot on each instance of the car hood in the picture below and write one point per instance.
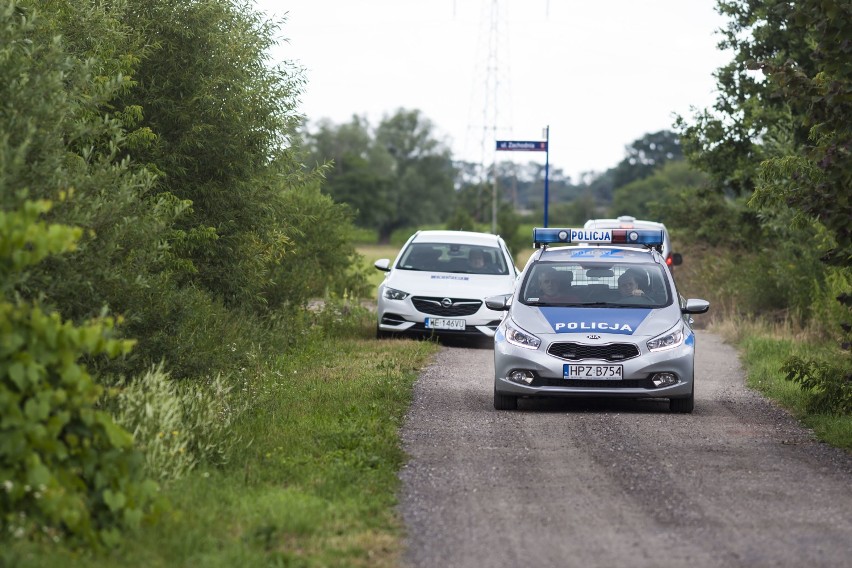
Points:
(639, 322)
(444, 284)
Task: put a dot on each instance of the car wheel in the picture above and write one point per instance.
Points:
(683, 405)
(505, 401)
(382, 334)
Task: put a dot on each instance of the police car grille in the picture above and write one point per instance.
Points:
(578, 351)
(432, 306)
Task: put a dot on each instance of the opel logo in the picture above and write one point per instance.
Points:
(593, 336)
(447, 303)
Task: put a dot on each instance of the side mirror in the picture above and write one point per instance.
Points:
(383, 264)
(677, 259)
(695, 306)
(499, 303)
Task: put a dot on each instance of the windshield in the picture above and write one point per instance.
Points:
(608, 285)
(458, 258)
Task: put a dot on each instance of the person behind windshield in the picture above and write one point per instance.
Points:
(476, 260)
(628, 286)
(555, 286)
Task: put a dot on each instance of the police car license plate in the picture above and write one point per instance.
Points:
(442, 323)
(594, 372)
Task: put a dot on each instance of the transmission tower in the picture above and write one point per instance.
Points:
(490, 95)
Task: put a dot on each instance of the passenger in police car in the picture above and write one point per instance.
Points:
(555, 286)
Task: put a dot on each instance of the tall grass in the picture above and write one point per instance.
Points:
(314, 481)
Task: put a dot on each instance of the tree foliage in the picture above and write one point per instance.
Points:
(646, 155)
(398, 175)
(781, 125)
(647, 198)
(149, 143)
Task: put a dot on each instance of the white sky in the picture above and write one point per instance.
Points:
(599, 73)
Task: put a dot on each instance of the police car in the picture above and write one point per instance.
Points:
(629, 222)
(438, 284)
(602, 318)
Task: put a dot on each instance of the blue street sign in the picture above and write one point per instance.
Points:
(522, 145)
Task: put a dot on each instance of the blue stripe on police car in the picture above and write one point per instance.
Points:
(577, 320)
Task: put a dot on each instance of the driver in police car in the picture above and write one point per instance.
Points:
(628, 285)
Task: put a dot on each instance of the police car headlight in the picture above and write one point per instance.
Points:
(394, 294)
(521, 338)
(668, 340)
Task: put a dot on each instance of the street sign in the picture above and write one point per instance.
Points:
(522, 145)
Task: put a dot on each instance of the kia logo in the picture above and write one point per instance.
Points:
(593, 336)
(447, 303)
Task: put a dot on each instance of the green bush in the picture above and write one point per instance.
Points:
(829, 382)
(321, 259)
(65, 466)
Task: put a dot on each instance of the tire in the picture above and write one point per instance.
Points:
(683, 405)
(505, 401)
(381, 334)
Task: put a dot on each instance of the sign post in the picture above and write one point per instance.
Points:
(527, 146)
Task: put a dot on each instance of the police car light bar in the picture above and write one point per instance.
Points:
(648, 237)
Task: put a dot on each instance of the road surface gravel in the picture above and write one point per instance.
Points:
(597, 483)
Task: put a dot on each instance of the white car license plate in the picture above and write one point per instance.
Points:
(594, 372)
(441, 323)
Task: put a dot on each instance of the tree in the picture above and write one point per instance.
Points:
(358, 172)
(645, 198)
(781, 123)
(222, 118)
(422, 168)
(645, 155)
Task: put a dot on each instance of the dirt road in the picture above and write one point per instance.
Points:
(608, 484)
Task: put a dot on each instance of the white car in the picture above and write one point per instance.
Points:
(628, 222)
(438, 284)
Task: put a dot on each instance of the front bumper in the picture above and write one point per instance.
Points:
(414, 324)
(547, 370)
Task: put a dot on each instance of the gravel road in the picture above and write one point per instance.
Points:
(617, 483)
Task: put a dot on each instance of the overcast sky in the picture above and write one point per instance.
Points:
(599, 73)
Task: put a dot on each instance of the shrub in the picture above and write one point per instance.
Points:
(65, 466)
(830, 383)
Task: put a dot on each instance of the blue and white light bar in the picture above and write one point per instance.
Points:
(648, 237)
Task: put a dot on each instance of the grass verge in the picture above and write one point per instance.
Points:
(763, 349)
(314, 485)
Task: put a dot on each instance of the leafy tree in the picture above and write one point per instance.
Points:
(221, 117)
(781, 124)
(645, 155)
(397, 176)
(422, 169)
(645, 198)
(360, 172)
(67, 138)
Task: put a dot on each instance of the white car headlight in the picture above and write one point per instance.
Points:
(669, 340)
(394, 294)
(521, 338)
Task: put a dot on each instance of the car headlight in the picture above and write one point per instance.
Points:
(669, 340)
(394, 294)
(521, 338)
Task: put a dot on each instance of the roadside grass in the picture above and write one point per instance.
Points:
(763, 349)
(315, 483)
